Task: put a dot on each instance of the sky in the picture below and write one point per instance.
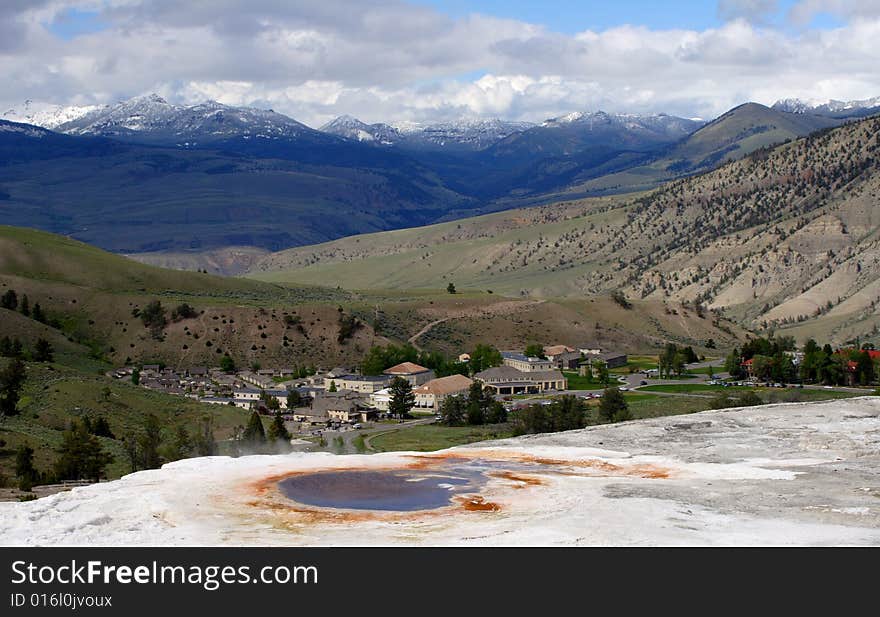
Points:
(433, 60)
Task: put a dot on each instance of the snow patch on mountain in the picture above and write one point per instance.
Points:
(151, 117)
(47, 115)
(824, 106)
(470, 133)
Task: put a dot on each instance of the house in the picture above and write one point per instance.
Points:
(310, 416)
(380, 399)
(563, 357)
(612, 359)
(150, 370)
(465, 357)
(749, 367)
(416, 375)
(366, 384)
(247, 394)
(431, 394)
(339, 371)
(525, 363)
(343, 407)
(197, 371)
(506, 379)
(256, 380)
(554, 350)
(281, 395)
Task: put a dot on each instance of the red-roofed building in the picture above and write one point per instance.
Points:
(415, 374)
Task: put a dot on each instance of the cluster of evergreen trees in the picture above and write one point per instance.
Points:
(254, 438)
(147, 448)
(12, 348)
(10, 301)
(674, 359)
(380, 358)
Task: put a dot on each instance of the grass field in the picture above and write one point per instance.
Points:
(653, 406)
(687, 388)
(430, 437)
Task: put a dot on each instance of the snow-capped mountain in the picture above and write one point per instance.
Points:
(151, 118)
(473, 133)
(828, 107)
(352, 128)
(45, 115)
(469, 134)
(660, 124)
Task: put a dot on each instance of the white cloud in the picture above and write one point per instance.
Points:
(390, 61)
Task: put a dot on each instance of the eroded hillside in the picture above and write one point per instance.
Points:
(786, 237)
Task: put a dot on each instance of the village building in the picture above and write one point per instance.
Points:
(509, 380)
(432, 394)
(256, 380)
(366, 384)
(343, 407)
(524, 363)
(564, 357)
(381, 399)
(611, 359)
(416, 375)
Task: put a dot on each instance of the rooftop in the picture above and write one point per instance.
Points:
(406, 368)
(445, 385)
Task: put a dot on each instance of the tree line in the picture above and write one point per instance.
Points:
(772, 359)
(380, 358)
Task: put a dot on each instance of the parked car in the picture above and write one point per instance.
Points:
(643, 383)
(357, 425)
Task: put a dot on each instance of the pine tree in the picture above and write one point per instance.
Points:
(149, 441)
(203, 441)
(402, 398)
(11, 381)
(452, 410)
(24, 467)
(277, 430)
(613, 406)
(43, 351)
(81, 455)
(25, 306)
(37, 313)
(254, 434)
(9, 300)
(136, 376)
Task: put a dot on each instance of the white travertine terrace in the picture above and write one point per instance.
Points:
(788, 474)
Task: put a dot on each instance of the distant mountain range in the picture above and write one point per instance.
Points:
(466, 134)
(146, 175)
(830, 107)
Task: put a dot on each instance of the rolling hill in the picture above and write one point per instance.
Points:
(784, 238)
